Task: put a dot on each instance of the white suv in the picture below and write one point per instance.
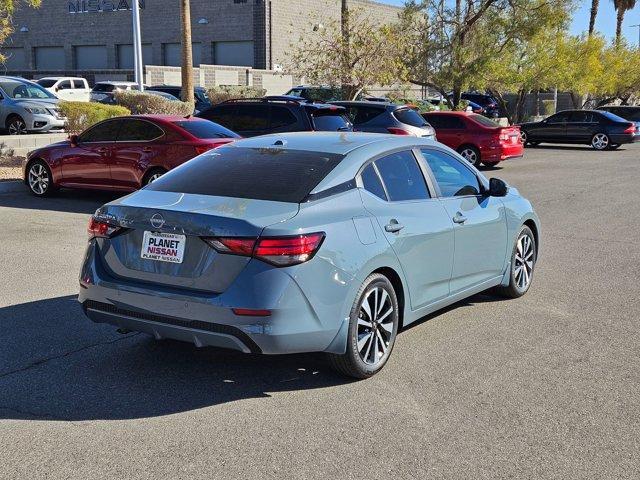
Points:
(73, 89)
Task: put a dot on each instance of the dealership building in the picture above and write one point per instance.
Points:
(94, 37)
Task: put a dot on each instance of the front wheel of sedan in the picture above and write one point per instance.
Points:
(373, 327)
(600, 141)
(39, 179)
(523, 261)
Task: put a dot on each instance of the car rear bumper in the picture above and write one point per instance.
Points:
(298, 320)
(624, 138)
(503, 152)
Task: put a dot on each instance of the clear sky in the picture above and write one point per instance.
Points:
(605, 21)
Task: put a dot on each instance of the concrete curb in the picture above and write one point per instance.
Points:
(12, 186)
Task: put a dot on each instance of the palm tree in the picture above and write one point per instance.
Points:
(621, 7)
(592, 19)
(187, 52)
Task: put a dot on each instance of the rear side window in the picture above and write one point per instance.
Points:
(410, 117)
(257, 173)
(106, 131)
(222, 114)
(446, 122)
(203, 129)
(402, 177)
(361, 114)
(78, 83)
(281, 117)
(330, 121)
(580, 117)
(251, 118)
(372, 183)
(139, 131)
(103, 87)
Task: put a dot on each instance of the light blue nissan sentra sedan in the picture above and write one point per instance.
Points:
(307, 242)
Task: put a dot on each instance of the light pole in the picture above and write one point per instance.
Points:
(638, 27)
(137, 45)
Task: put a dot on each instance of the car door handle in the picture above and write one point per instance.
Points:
(393, 226)
(459, 218)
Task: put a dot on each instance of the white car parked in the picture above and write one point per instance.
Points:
(74, 89)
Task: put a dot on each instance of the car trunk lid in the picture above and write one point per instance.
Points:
(160, 240)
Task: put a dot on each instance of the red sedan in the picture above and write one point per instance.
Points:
(476, 138)
(122, 153)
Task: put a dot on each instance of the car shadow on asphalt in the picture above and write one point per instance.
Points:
(55, 364)
(72, 201)
(583, 148)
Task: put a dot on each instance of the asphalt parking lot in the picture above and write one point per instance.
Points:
(546, 386)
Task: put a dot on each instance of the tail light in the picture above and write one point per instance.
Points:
(98, 229)
(398, 131)
(504, 136)
(278, 251)
(630, 129)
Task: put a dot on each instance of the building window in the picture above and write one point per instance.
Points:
(124, 55)
(172, 54)
(91, 57)
(49, 58)
(233, 53)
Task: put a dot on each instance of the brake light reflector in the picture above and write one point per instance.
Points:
(278, 251)
(97, 229)
(398, 131)
(251, 312)
(630, 129)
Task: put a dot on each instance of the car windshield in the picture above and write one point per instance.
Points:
(284, 175)
(103, 87)
(46, 82)
(410, 117)
(201, 129)
(484, 121)
(16, 89)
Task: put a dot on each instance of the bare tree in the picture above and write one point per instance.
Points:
(187, 52)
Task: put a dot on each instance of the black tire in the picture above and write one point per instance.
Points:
(152, 175)
(600, 141)
(471, 154)
(39, 179)
(533, 144)
(351, 362)
(15, 125)
(515, 289)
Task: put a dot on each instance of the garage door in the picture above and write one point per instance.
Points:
(90, 57)
(49, 58)
(125, 55)
(233, 53)
(14, 58)
(172, 54)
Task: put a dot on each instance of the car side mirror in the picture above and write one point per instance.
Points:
(74, 140)
(498, 188)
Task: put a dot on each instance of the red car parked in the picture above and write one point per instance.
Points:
(476, 138)
(122, 153)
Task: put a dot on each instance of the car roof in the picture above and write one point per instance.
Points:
(19, 79)
(169, 118)
(115, 82)
(60, 78)
(367, 103)
(459, 113)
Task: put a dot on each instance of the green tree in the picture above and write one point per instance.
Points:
(450, 48)
(351, 53)
(7, 10)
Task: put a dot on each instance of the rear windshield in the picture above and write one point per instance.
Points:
(410, 117)
(631, 114)
(613, 117)
(202, 129)
(46, 83)
(330, 121)
(485, 121)
(258, 173)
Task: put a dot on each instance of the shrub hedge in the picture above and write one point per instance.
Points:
(140, 103)
(228, 92)
(81, 115)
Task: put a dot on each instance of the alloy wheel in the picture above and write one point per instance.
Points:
(600, 141)
(38, 179)
(154, 177)
(523, 137)
(524, 262)
(375, 326)
(17, 127)
(470, 155)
